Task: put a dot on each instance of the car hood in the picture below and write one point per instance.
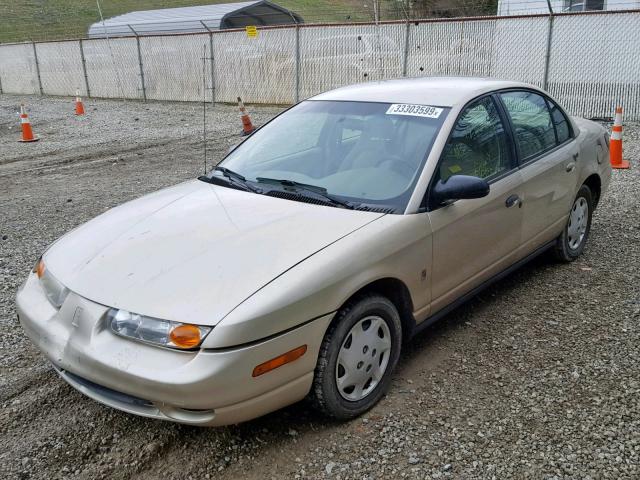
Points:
(195, 251)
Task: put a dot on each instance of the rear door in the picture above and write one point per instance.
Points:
(475, 239)
(548, 156)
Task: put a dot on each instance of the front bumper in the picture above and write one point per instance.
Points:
(204, 387)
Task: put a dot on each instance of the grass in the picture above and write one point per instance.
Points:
(40, 20)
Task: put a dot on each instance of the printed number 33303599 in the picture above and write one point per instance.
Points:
(414, 110)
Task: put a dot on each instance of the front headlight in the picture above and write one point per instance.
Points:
(53, 289)
(153, 330)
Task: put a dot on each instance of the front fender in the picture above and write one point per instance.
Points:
(395, 246)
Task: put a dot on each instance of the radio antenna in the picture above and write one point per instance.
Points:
(204, 105)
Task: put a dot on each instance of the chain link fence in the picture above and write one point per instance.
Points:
(587, 61)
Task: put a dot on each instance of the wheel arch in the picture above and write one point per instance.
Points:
(398, 293)
(594, 183)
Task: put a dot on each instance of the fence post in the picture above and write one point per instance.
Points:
(35, 57)
(84, 68)
(297, 53)
(405, 60)
(213, 71)
(547, 55)
(1, 91)
(461, 48)
(144, 90)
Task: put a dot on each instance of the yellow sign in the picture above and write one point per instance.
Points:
(252, 31)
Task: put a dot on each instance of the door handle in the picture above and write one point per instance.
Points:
(570, 166)
(512, 201)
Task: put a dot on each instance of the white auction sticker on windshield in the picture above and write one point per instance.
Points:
(414, 110)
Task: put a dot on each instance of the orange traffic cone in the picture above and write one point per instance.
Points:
(247, 126)
(615, 142)
(27, 132)
(79, 105)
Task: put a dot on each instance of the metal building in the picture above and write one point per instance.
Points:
(194, 19)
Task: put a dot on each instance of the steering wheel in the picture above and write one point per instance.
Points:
(399, 165)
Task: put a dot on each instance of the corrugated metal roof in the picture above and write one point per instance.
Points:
(189, 19)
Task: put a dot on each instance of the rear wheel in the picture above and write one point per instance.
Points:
(570, 244)
(358, 355)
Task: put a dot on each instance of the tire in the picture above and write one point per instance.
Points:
(571, 242)
(357, 339)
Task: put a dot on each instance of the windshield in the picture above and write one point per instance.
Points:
(365, 153)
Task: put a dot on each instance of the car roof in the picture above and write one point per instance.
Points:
(436, 91)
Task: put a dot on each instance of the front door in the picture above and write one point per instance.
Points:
(476, 239)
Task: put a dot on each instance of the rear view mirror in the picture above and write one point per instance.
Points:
(459, 187)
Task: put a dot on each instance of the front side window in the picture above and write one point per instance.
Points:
(531, 121)
(478, 144)
(364, 152)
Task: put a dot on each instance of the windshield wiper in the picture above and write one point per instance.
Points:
(315, 189)
(230, 173)
(234, 178)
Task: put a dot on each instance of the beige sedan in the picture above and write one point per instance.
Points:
(300, 265)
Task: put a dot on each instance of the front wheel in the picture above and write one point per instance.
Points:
(570, 244)
(358, 355)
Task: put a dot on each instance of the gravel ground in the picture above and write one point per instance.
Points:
(538, 377)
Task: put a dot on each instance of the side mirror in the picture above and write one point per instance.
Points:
(459, 187)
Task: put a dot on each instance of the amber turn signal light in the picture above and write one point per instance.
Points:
(283, 359)
(39, 270)
(185, 336)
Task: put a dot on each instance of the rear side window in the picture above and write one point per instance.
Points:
(531, 121)
(478, 144)
(561, 123)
